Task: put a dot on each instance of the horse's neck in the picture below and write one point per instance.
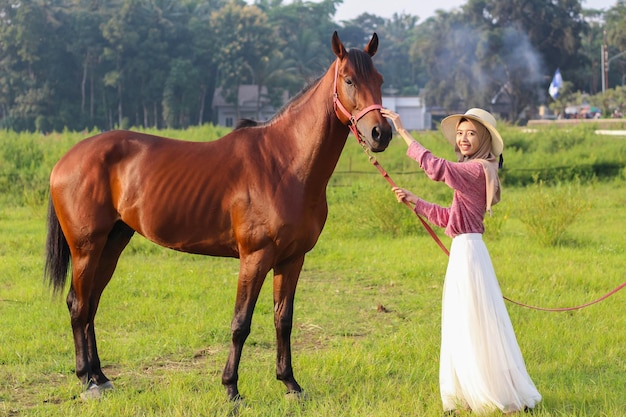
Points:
(314, 130)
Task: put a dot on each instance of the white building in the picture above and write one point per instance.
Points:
(412, 111)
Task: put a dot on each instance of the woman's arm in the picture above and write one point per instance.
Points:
(436, 214)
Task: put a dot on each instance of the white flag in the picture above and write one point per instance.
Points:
(555, 85)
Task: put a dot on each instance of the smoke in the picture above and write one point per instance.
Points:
(521, 58)
(479, 65)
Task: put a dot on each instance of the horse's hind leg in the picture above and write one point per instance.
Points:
(285, 281)
(84, 298)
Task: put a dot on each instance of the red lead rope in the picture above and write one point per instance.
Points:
(445, 250)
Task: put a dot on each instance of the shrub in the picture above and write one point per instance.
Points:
(22, 176)
(547, 212)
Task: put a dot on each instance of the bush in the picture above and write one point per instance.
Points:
(547, 212)
(22, 174)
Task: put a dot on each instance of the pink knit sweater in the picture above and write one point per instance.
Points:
(467, 179)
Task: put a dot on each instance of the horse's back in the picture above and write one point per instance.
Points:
(140, 155)
(115, 145)
(170, 191)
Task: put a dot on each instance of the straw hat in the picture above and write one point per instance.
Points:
(449, 125)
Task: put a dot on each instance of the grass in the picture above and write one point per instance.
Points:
(366, 324)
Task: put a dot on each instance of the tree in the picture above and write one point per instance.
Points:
(402, 73)
(553, 30)
(137, 47)
(304, 43)
(495, 46)
(591, 44)
(180, 97)
(203, 54)
(616, 41)
(357, 32)
(35, 64)
(615, 25)
(453, 69)
(245, 44)
(87, 45)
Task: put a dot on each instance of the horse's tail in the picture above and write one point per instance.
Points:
(57, 252)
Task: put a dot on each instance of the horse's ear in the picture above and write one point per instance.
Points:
(372, 46)
(338, 47)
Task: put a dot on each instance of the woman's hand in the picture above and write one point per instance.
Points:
(403, 195)
(394, 117)
(397, 123)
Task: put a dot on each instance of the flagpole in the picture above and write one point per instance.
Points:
(605, 64)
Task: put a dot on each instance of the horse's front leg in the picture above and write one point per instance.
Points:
(285, 281)
(252, 272)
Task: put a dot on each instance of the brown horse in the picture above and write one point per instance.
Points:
(257, 194)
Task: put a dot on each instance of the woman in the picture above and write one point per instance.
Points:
(481, 367)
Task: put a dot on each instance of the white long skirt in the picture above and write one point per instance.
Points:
(481, 363)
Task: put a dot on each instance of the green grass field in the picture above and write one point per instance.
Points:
(367, 313)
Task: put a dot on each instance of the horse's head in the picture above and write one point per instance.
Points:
(358, 94)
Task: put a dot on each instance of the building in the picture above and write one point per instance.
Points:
(411, 109)
(228, 114)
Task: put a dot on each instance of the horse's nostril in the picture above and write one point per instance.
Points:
(376, 133)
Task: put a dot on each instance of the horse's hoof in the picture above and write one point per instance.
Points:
(94, 391)
(296, 396)
(238, 403)
(237, 399)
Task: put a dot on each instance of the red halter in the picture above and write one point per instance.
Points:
(340, 109)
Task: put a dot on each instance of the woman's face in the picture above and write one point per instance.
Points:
(467, 139)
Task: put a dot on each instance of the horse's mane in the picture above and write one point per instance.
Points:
(245, 123)
(362, 64)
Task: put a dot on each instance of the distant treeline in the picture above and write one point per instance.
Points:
(92, 64)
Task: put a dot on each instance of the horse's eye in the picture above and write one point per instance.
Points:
(348, 81)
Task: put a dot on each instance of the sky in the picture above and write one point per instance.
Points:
(421, 8)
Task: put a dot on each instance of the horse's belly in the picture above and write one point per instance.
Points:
(192, 239)
(183, 228)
